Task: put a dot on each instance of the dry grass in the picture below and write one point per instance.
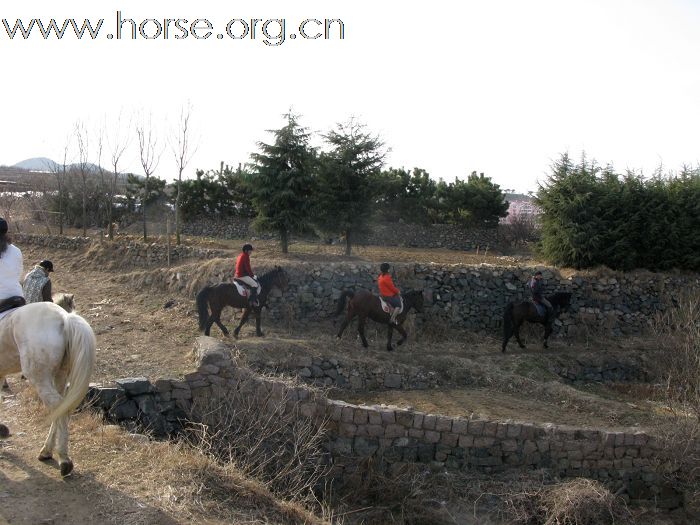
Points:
(678, 333)
(577, 502)
(264, 437)
(130, 479)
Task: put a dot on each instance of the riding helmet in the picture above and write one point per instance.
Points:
(46, 265)
(384, 267)
(3, 226)
(247, 247)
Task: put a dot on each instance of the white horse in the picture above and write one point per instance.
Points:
(55, 351)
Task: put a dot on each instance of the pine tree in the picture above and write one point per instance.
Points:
(283, 181)
(348, 180)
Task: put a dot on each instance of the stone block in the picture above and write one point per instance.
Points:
(394, 431)
(460, 426)
(431, 436)
(429, 421)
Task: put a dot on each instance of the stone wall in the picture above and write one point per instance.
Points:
(382, 234)
(474, 297)
(130, 252)
(471, 297)
(392, 436)
(346, 374)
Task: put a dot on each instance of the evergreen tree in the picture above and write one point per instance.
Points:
(282, 181)
(348, 179)
(592, 216)
(476, 202)
(410, 196)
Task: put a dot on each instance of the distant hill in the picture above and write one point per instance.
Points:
(44, 164)
(37, 164)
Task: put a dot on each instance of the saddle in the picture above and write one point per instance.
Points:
(541, 309)
(387, 307)
(243, 289)
(12, 302)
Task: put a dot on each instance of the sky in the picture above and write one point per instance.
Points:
(501, 87)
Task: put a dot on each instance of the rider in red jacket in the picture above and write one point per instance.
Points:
(244, 274)
(389, 292)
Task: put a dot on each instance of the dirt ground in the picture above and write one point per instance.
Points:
(146, 332)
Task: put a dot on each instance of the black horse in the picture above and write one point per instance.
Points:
(218, 296)
(517, 313)
(364, 304)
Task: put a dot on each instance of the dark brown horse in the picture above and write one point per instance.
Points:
(517, 313)
(218, 296)
(364, 304)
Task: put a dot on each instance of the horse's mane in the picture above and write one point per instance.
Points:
(560, 298)
(266, 278)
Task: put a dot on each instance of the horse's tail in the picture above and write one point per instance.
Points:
(202, 308)
(81, 345)
(508, 320)
(341, 301)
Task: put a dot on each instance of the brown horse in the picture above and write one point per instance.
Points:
(218, 296)
(364, 304)
(517, 313)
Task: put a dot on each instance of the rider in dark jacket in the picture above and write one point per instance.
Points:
(536, 289)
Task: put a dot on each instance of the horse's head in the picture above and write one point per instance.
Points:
(416, 300)
(561, 300)
(280, 278)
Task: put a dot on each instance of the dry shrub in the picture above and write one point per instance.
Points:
(408, 493)
(266, 438)
(577, 502)
(678, 333)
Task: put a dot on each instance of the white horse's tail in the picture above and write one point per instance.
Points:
(80, 345)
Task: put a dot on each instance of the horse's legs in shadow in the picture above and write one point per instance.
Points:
(258, 331)
(348, 317)
(507, 334)
(244, 318)
(401, 341)
(361, 330)
(215, 318)
(516, 332)
(547, 333)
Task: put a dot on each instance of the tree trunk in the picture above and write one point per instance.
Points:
(60, 210)
(348, 244)
(284, 238)
(110, 230)
(143, 205)
(177, 211)
(84, 212)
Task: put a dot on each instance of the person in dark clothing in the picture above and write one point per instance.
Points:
(536, 289)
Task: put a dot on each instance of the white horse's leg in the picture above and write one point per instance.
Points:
(57, 438)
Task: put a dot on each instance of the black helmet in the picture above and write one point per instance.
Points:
(247, 247)
(538, 272)
(46, 265)
(384, 267)
(3, 226)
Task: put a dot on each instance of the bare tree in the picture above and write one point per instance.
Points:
(59, 172)
(183, 152)
(148, 143)
(118, 142)
(83, 166)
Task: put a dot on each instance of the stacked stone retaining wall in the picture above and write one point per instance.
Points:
(625, 461)
(472, 297)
